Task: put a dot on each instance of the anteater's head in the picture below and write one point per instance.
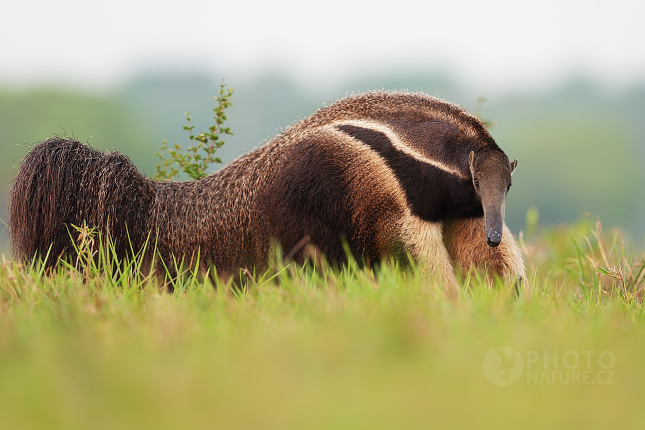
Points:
(491, 175)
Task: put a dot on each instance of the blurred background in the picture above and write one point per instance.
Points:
(564, 82)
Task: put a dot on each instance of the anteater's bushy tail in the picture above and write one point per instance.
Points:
(62, 182)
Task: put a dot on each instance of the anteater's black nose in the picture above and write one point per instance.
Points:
(493, 238)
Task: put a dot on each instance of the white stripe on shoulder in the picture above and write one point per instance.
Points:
(400, 144)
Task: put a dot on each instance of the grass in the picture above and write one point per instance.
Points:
(98, 347)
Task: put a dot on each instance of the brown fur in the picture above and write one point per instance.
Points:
(380, 171)
(467, 247)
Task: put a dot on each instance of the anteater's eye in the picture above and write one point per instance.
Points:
(508, 188)
(476, 183)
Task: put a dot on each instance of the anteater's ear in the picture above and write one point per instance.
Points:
(471, 163)
(513, 166)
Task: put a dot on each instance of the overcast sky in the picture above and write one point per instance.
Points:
(493, 44)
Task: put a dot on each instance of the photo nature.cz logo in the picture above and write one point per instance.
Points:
(504, 366)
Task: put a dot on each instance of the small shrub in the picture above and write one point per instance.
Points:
(195, 160)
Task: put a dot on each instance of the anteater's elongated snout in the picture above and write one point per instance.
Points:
(494, 226)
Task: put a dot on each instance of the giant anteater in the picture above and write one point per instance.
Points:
(378, 172)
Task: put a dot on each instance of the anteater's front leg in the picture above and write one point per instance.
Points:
(465, 240)
(424, 241)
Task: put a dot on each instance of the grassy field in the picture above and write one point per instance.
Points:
(86, 348)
